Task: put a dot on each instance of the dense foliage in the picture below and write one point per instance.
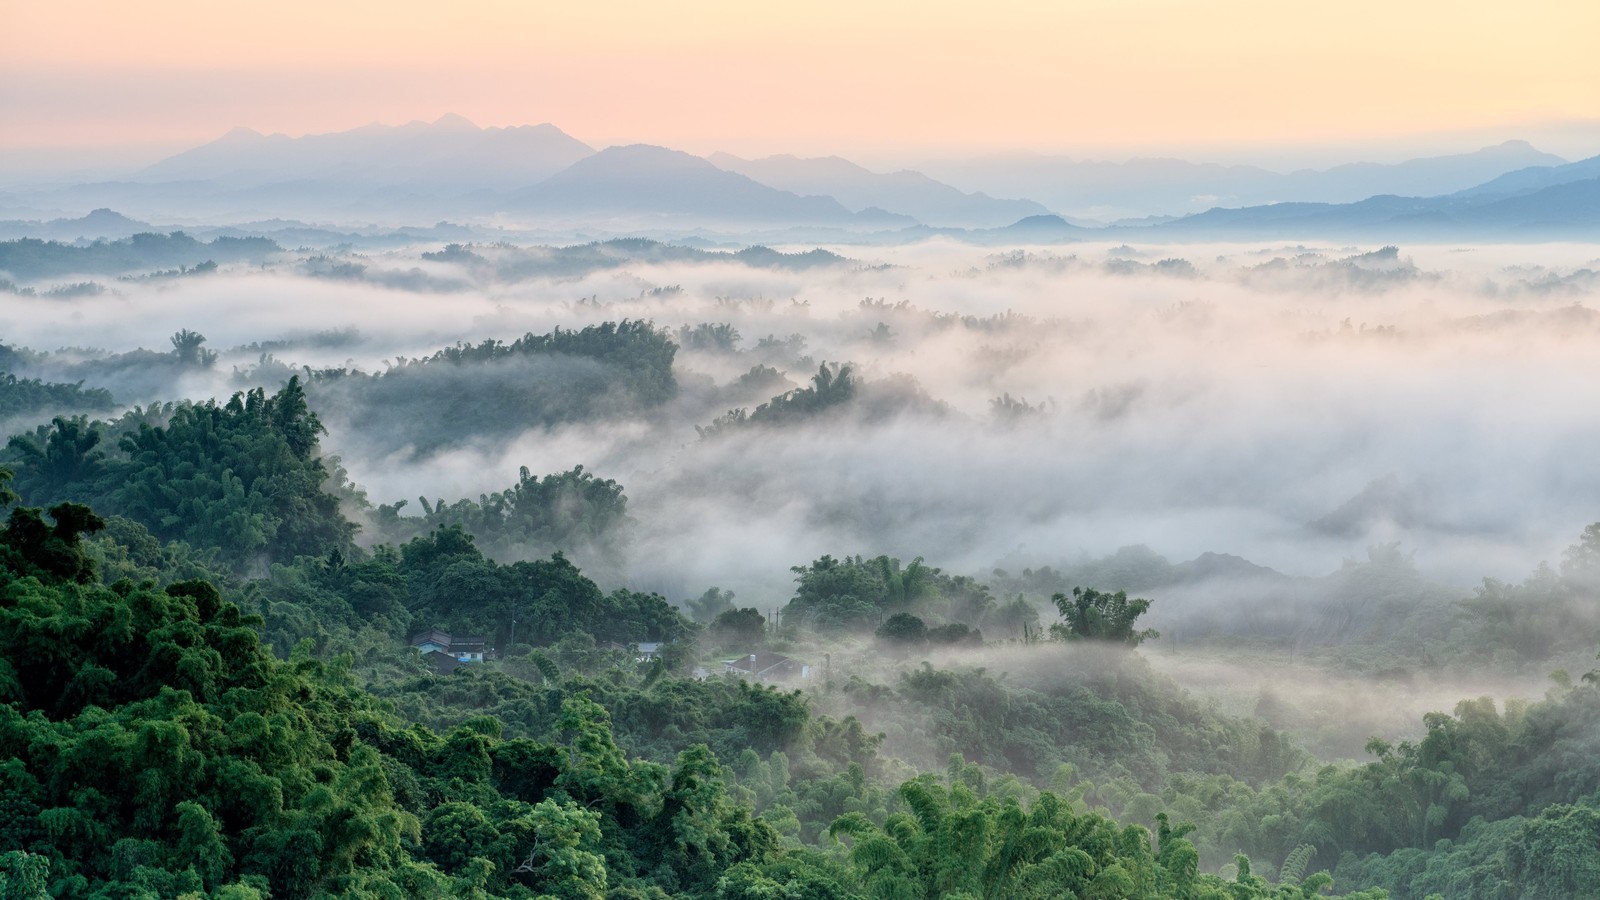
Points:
(29, 397)
(1091, 615)
(155, 746)
(853, 592)
(244, 477)
(534, 517)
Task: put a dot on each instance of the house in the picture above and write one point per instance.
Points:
(431, 641)
(468, 649)
(461, 649)
(443, 663)
(764, 666)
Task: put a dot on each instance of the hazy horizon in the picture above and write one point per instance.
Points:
(887, 85)
(1573, 139)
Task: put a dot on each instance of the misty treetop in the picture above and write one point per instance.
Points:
(443, 581)
(504, 262)
(1091, 615)
(31, 398)
(461, 268)
(834, 391)
(830, 386)
(855, 592)
(897, 602)
(30, 258)
(493, 389)
(534, 517)
(134, 374)
(714, 337)
(244, 477)
(1378, 600)
(454, 586)
(247, 480)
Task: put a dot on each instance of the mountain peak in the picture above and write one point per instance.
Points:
(622, 155)
(643, 150)
(1515, 149)
(455, 122)
(1045, 221)
(105, 214)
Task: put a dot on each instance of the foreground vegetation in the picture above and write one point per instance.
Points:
(156, 747)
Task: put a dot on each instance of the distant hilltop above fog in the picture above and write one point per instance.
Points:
(538, 178)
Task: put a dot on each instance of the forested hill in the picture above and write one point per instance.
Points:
(157, 748)
(31, 258)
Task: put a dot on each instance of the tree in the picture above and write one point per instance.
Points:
(1557, 854)
(571, 511)
(186, 347)
(563, 861)
(955, 633)
(23, 875)
(742, 627)
(158, 749)
(67, 457)
(714, 602)
(51, 551)
(1091, 615)
(858, 592)
(832, 386)
(904, 629)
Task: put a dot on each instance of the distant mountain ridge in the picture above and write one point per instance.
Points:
(532, 163)
(910, 193)
(1536, 178)
(381, 179)
(1425, 176)
(451, 152)
(1154, 186)
(1532, 205)
(644, 180)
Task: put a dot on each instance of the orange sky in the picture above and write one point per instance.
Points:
(823, 76)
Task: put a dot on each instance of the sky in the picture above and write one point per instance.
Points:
(100, 80)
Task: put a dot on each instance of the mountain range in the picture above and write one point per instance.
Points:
(910, 193)
(1533, 203)
(649, 183)
(1107, 191)
(537, 177)
(450, 154)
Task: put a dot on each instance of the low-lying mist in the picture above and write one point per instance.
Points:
(1290, 405)
(1332, 714)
